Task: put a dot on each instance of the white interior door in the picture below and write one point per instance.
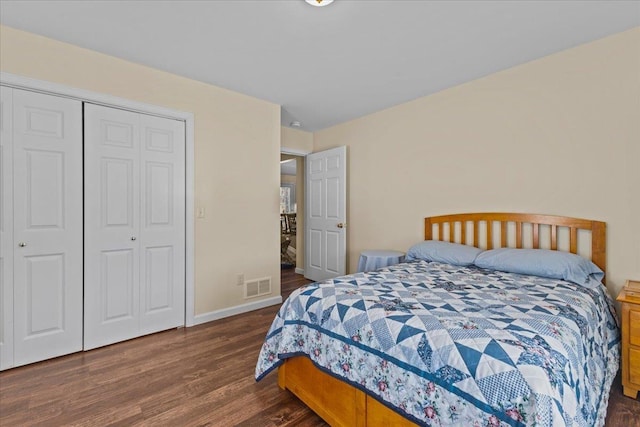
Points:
(134, 225)
(47, 218)
(112, 212)
(6, 228)
(162, 225)
(326, 183)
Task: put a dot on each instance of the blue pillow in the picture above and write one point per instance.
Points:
(544, 263)
(450, 253)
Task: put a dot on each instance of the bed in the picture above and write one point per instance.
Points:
(441, 341)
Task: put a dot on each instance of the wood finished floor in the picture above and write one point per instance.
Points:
(199, 376)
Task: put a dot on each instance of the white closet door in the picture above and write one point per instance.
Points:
(112, 211)
(6, 228)
(134, 225)
(162, 225)
(47, 218)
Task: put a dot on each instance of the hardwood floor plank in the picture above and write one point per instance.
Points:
(199, 376)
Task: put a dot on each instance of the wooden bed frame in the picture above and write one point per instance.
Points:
(341, 404)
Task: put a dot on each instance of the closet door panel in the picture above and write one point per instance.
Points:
(117, 285)
(6, 228)
(163, 224)
(44, 296)
(112, 212)
(47, 222)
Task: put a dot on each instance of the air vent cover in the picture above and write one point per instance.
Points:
(257, 287)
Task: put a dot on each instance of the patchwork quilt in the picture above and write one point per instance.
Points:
(450, 345)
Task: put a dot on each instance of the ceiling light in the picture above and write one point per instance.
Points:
(319, 3)
(295, 123)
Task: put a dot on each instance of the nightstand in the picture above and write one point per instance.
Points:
(630, 341)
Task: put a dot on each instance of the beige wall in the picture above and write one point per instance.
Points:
(560, 135)
(296, 141)
(237, 150)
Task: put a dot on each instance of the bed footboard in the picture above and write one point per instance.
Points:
(337, 402)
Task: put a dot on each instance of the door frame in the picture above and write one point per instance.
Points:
(303, 154)
(34, 85)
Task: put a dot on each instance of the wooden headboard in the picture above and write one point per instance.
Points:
(483, 228)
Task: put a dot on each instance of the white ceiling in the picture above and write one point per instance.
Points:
(332, 64)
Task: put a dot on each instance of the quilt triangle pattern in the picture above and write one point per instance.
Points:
(515, 349)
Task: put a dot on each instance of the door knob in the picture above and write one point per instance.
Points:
(341, 225)
(22, 244)
(133, 237)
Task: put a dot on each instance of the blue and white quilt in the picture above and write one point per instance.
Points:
(449, 345)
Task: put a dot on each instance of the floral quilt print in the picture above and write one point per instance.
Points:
(448, 345)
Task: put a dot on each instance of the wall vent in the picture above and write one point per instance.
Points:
(257, 287)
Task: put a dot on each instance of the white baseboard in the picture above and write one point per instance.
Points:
(299, 270)
(238, 309)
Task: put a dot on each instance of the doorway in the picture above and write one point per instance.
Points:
(292, 213)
